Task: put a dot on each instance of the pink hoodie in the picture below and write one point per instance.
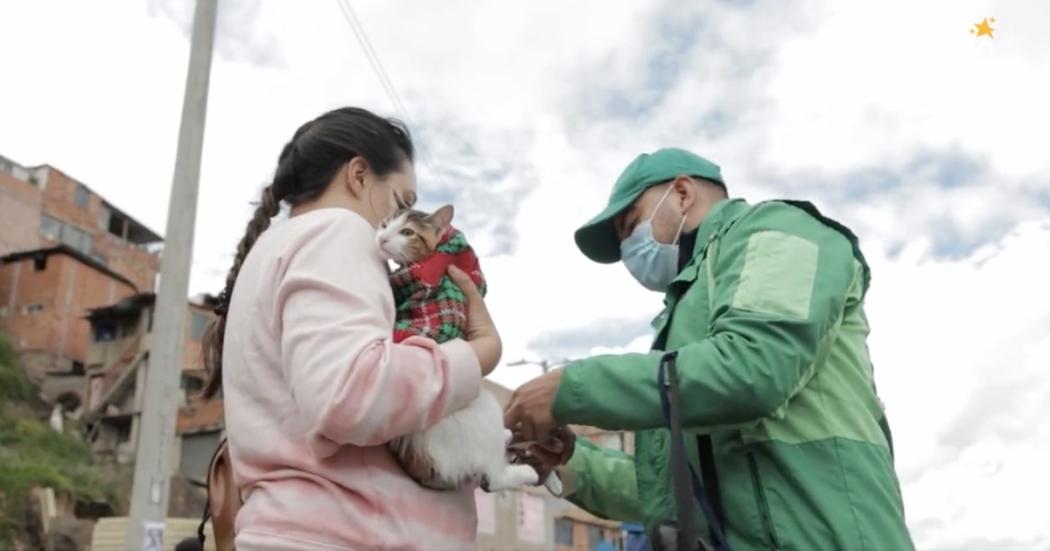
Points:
(314, 387)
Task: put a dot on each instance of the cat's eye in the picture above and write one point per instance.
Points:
(407, 232)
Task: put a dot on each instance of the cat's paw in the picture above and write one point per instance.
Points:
(553, 484)
(513, 476)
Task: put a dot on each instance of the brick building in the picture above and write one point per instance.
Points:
(118, 360)
(63, 250)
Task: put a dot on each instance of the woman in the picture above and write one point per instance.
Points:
(313, 385)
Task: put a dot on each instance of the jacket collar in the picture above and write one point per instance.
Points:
(721, 213)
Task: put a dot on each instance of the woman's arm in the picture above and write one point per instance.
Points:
(349, 380)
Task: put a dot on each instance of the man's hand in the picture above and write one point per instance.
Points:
(529, 411)
(557, 451)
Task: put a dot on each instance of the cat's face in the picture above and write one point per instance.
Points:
(410, 235)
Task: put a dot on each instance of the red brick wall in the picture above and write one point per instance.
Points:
(128, 260)
(66, 289)
(19, 215)
(136, 264)
(60, 202)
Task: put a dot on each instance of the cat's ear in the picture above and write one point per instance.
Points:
(442, 217)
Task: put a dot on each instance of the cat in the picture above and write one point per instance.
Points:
(471, 444)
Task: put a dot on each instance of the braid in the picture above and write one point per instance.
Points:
(269, 207)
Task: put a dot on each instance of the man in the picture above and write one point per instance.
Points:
(765, 307)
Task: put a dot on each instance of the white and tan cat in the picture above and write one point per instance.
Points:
(470, 444)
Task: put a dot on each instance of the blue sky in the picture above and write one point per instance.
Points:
(891, 116)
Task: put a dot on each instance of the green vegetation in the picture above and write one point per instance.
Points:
(32, 455)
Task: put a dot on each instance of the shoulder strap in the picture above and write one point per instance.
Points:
(224, 500)
(683, 475)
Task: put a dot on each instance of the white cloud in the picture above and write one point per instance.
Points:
(539, 107)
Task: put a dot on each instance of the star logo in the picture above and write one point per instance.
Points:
(984, 28)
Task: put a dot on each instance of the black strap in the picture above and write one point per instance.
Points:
(682, 487)
(206, 515)
(669, 397)
(710, 477)
(204, 520)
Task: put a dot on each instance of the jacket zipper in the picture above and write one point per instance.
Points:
(760, 501)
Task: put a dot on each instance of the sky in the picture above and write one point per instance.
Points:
(892, 117)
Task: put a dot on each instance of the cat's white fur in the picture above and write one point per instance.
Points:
(471, 441)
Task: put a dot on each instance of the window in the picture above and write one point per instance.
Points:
(191, 384)
(77, 239)
(198, 323)
(123, 431)
(50, 227)
(78, 368)
(594, 536)
(103, 218)
(105, 331)
(563, 531)
(40, 263)
(20, 173)
(82, 196)
(33, 308)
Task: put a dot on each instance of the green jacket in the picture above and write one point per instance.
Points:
(768, 318)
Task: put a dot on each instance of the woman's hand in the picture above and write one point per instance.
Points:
(480, 331)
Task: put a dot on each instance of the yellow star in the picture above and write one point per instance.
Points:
(984, 28)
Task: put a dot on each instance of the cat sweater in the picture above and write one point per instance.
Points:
(429, 303)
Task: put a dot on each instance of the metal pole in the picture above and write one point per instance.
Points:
(149, 497)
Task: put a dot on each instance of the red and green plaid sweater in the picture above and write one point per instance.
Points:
(428, 302)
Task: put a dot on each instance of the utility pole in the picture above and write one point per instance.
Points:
(149, 496)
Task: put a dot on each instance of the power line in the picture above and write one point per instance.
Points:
(384, 80)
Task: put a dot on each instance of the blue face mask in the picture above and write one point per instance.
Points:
(652, 263)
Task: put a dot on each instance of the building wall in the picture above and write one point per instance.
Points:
(197, 320)
(43, 307)
(60, 200)
(20, 203)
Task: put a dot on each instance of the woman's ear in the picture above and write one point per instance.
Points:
(354, 175)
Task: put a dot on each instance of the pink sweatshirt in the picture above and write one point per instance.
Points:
(314, 387)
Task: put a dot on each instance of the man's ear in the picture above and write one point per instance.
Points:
(685, 190)
(442, 217)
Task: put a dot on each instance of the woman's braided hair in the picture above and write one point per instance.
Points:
(307, 164)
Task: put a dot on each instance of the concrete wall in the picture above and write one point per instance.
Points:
(19, 214)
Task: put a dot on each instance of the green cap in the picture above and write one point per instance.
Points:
(597, 239)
